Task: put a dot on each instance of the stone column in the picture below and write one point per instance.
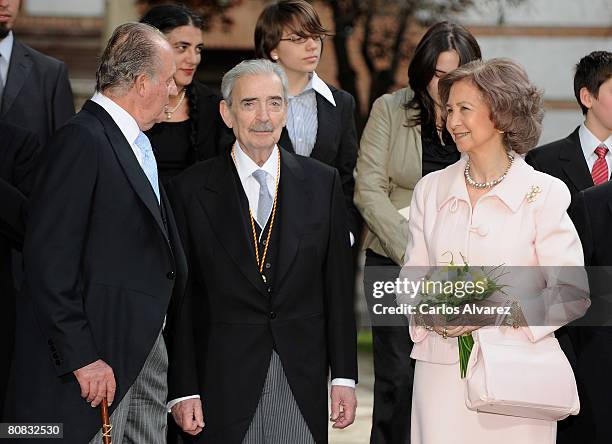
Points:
(118, 12)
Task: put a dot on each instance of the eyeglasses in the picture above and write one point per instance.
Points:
(300, 40)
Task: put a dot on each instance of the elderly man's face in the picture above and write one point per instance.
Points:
(156, 91)
(258, 111)
(8, 14)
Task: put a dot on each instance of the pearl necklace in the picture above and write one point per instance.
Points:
(484, 185)
(169, 112)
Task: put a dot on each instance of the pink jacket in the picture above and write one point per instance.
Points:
(520, 222)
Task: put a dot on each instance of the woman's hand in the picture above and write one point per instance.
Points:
(454, 331)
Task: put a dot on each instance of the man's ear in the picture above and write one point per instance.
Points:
(586, 98)
(141, 84)
(226, 114)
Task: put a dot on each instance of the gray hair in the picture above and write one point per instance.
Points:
(132, 50)
(251, 68)
(516, 105)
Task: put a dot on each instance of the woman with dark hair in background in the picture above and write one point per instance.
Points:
(193, 128)
(320, 118)
(404, 139)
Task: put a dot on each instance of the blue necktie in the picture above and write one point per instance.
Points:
(149, 165)
(264, 205)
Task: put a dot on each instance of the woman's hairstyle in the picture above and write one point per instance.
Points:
(166, 18)
(297, 15)
(515, 104)
(441, 37)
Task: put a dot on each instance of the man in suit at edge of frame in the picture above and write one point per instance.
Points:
(102, 257)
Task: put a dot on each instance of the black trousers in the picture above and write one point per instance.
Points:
(393, 367)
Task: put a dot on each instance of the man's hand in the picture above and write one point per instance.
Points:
(97, 381)
(188, 415)
(343, 406)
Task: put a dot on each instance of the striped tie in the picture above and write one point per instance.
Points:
(600, 168)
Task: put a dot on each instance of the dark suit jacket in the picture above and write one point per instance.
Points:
(229, 323)
(592, 215)
(564, 160)
(336, 145)
(101, 261)
(37, 92)
(593, 220)
(18, 151)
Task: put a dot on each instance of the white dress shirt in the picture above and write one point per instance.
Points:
(124, 120)
(589, 142)
(302, 114)
(6, 49)
(246, 167)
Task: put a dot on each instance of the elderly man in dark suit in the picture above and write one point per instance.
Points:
(102, 258)
(268, 309)
(18, 151)
(34, 88)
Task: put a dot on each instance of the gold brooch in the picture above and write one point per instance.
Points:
(533, 193)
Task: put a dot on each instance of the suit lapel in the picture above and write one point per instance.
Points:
(129, 163)
(294, 196)
(328, 120)
(220, 199)
(19, 70)
(574, 164)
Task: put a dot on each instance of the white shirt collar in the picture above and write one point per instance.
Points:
(247, 166)
(6, 46)
(319, 86)
(589, 142)
(124, 120)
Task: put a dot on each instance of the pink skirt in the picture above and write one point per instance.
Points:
(439, 414)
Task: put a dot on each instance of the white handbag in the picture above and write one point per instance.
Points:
(509, 375)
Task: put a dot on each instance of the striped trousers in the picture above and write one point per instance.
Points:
(141, 416)
(277, 419)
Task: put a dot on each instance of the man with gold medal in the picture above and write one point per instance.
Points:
(268, 311)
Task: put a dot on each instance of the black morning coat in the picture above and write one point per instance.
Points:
(102, 261)
(231, 320)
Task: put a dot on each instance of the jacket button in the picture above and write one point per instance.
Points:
(58, 362)
(171, 275)
(50, 342)
(55, 356)
(53, 349)
(268, 265)
(272, 315)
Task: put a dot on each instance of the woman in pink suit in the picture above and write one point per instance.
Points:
(492, 208)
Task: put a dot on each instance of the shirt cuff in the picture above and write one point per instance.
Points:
(177, 400)
(344, 382)
(352, 238)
